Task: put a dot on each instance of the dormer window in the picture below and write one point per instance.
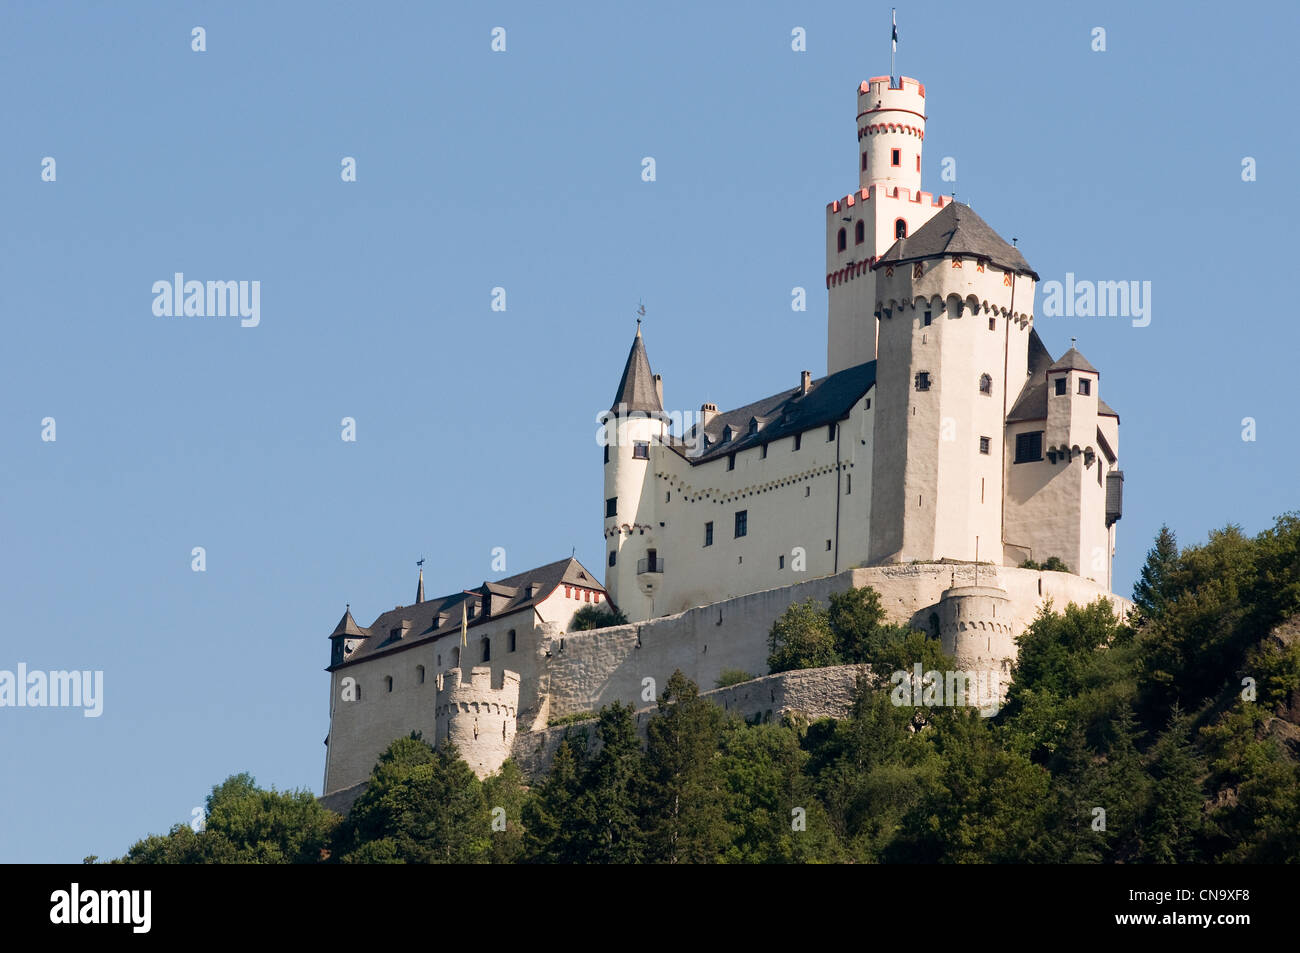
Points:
(753, 427)
(726, 434)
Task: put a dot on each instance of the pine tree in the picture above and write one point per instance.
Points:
(1152, 589)
(606, 808)
(1175, 817)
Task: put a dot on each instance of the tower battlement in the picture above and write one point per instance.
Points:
(476, 717)
(900, 193)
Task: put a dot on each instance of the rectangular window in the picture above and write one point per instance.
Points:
(763, 454)
(868, 404)
(993, 324)
(641, 450)
(1085, 386)
(487, 651)
(611, 507)
(830, 433)
(896, 157)
(849, 484)
(918, 162)
(798, 441)
(1029, 447)
(864, 162)
(828, 545)
(922, 380)
(742, 523)
(607, 453)
(708, 533)
(928, 318)
(613, 556)
(731, 461)
(510, 641)
(984, 444)
(780, 562)
(1060, 386)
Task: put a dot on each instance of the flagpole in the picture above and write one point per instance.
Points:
(893, 42)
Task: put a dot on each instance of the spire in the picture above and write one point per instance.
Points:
(419, 589)
(636, 389)
(347, 626)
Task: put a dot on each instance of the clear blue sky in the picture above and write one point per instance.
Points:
(475, 428)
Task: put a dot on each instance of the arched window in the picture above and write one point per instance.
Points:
(487, 649)
(900, 228)
(860, 232)
(419, 674)
(986, 384)
(843, 240)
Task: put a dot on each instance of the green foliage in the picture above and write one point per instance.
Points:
(1153, 588)
(1051, 564)
(245, 825)
(596, 617)
(801, 638)
(732, 676)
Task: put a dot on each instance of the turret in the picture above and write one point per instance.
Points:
(345, 638)
(634, 430)
(887, 205)
(477, 718)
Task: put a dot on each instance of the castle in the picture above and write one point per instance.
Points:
(943, 442)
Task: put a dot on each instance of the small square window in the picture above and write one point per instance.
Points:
(896, 157)
(641, 450)
(984, 444)
(922, 380)
(1085, 386)
(1060, 386)
(742, 523)
(1029, 447)
(611, 507)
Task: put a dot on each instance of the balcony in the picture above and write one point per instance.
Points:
(649, 564)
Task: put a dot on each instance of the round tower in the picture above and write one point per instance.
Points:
(633, 431)
(891, 129)
(975, 626)
(478, 719)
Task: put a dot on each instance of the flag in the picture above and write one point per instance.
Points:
(894, 20)
(464, 623)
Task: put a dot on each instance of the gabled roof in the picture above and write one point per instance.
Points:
(1072, 360)
(1032, 402)
(424, 617)
(782, 415)
(957, 230)
(636, 389)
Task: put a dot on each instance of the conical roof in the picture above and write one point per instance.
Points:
(636, 389)
(957, 230)
(419, 589)
(347, 626)
(1072, 360)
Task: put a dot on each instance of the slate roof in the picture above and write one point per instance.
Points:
(348, 626)
(782, 415)
(1032, 402)
(957, 230)
(1072, 360)
(423, 617)
(636, 389)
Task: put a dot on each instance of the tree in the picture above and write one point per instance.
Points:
(506, 795)
(607, 807)
(1175, 819)
(596, 617)
(551, 829)
(1154, 584)
(685, 806)
(801, 637)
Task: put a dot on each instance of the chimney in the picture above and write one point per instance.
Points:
(805, 382)
(707, 413)
(659, 389)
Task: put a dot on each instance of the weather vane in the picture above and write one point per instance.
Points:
(640, 313)
(420, 562)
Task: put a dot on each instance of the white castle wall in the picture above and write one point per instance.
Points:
(590, 669)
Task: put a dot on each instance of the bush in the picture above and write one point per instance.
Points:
(596, 617)
(732, 676)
